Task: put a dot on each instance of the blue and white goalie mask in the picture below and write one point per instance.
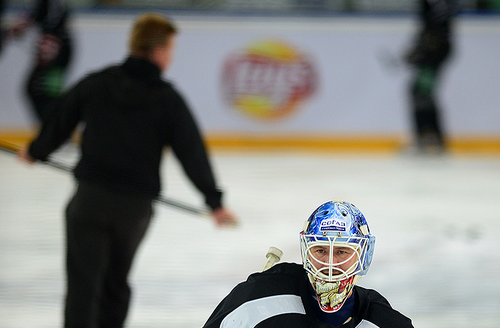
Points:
(336, 249)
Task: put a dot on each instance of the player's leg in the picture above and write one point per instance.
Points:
(87, 256)
(132, 218)
(426, 114)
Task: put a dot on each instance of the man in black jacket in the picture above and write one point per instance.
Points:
(337, 249)
(130, 114)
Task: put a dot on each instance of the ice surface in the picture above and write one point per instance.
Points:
(436, 220)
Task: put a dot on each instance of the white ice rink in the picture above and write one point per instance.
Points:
(436, 219)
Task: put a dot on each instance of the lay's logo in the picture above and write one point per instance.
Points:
(268, 80)
(332, 225)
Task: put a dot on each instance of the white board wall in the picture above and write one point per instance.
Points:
(358, 91)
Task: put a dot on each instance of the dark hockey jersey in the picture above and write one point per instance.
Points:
(433, 43)
(278, 297)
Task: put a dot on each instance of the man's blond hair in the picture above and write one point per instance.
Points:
(150, 31)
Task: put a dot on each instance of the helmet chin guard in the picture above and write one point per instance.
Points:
(336, 250)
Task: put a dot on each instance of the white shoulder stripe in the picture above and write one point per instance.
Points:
(366, 324)
(250, 313)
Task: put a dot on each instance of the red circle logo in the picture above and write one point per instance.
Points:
(268, 80)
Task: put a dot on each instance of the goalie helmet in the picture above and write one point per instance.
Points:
(336, 249)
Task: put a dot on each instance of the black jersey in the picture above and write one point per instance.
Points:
(279, 296)
(130, 114)
(437, 15)
(433, 42)
(2, 6)
(52, 16)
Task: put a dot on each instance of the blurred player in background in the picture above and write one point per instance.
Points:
(130, 114)
(2, 7)
(53, 53)
(336, 249)
(432, 47)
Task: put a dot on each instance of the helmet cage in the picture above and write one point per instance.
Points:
(359, 245)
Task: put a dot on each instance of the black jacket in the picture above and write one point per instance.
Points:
(129, 114)
(279, 296)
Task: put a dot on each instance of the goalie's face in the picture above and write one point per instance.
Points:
(333, 261)
(332, 272)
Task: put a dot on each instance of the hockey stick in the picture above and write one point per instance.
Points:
(273, 255)
(12, 149)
